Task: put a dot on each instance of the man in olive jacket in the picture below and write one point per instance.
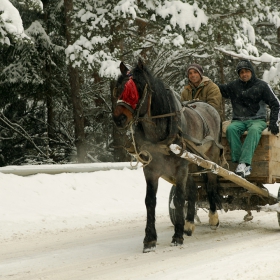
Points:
(201, 88)
(249, 98)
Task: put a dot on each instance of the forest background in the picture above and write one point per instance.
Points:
(59, 62)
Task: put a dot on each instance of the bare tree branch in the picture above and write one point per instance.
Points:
(23, 133)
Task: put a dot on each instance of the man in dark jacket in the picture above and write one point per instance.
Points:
(249, 96)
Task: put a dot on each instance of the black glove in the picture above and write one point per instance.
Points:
(274, 128)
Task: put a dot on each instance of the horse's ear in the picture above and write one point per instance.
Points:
(140, 63)
(123, 68)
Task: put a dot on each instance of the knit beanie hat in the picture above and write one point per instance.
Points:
(196, 67)
(244, 64)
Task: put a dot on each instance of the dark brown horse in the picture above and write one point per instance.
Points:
(156, 119)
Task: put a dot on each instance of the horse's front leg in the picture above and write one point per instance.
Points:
(179, 202)
(150, 239)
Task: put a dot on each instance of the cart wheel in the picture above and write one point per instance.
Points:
(171, 206)
(278, 214)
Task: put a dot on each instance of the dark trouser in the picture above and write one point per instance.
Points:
(244, 152)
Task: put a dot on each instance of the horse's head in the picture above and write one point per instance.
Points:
(129, 90)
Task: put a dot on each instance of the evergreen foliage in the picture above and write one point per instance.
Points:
(36, 109)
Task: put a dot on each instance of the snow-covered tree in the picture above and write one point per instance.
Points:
(167, 34)
(34, 75)
(109, 31)
(106, 30)
(247, 29)
(11, 27)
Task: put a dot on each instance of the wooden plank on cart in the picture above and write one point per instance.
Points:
(215, 168)
(266, 159)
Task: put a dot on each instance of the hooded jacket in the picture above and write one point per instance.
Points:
(249, 98)
(207, 91)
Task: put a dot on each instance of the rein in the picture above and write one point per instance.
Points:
(161, 116)
(141, 104)
(138, 155)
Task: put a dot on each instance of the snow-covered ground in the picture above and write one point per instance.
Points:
(70, 200)
(42, 205)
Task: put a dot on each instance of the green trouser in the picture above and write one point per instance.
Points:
(243, 153)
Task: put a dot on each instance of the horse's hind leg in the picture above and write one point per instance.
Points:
(212, 189)
(150, 239)
(214, 200)
(191, 195)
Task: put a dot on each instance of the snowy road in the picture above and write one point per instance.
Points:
(237, 250)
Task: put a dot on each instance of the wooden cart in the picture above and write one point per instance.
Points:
(238, 193)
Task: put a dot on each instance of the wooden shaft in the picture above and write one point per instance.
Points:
(215, 168)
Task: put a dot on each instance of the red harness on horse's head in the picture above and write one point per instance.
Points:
(130, 96)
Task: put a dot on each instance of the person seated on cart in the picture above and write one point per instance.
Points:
(249, 98)
(200, 87)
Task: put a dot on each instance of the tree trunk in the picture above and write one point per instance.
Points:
(78, 113)
(120, 138)
(220, 63)
(49, 95)
(141, 32)
(222, 79)
(50, 121)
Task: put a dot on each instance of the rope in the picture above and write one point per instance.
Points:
(162, 116)
(138, 155)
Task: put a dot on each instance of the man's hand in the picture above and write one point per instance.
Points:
(274, 128)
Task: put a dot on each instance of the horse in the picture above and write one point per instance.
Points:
(155, 118)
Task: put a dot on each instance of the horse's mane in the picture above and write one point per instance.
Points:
(162, 99)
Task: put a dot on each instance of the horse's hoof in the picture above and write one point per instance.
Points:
(149, 247)
(177, 241)
(215, 227)
(188, 232)
(189, 228)
(248, 217)
(213, 220)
